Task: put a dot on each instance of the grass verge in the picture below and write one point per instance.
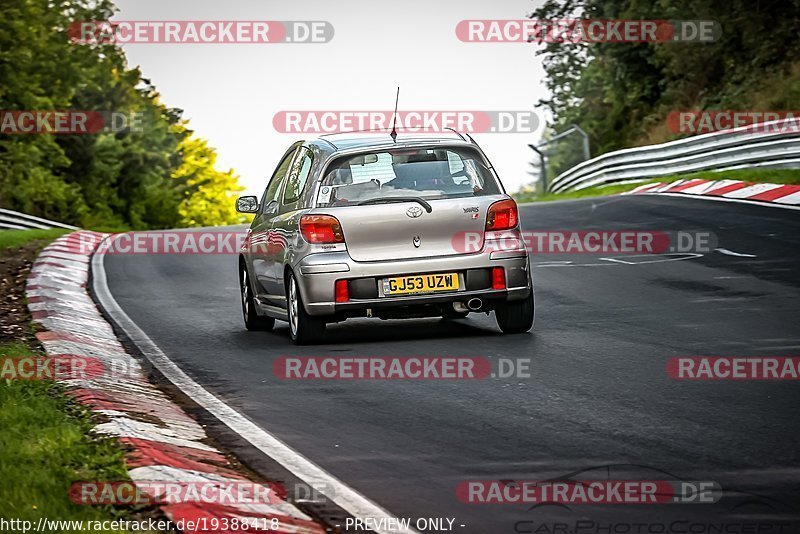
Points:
(45, 441)
(46, 445)
(18, 238)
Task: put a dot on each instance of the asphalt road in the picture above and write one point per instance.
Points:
(599, 398)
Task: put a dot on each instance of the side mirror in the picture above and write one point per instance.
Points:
(247, 204)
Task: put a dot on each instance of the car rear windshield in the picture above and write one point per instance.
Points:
(429, 173)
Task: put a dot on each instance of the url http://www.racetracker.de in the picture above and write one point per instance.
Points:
(203, 524)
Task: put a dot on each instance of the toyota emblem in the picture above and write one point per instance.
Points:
(414, 212)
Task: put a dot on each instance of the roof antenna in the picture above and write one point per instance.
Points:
(394, 120)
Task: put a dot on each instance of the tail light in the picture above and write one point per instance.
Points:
(502, 215)
(342, 291)
(498, 278)
(321, 229)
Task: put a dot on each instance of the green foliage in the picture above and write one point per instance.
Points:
(599, 191)
(754, 175)
(46, 445)
(621, 93)
(208, 194)
(117, 179)
(18, 238)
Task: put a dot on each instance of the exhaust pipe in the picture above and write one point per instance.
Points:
(474, 304)
(460, 307)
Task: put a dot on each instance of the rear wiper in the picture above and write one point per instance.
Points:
(389, 200)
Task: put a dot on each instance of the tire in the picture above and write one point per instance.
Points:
(252, 321)
(516, 316)
(303, 328)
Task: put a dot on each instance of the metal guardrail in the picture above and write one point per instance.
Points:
(14, 220)
(747, 146)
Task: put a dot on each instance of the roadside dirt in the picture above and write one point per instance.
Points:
(15, 320)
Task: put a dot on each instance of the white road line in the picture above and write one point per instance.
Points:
(732, 253)
(548, 265)
(659, 258)
(350, 500)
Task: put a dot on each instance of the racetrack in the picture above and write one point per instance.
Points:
(599, 394)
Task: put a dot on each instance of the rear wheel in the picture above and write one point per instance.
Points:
(303, 328)
(516, 316)
(252, 321)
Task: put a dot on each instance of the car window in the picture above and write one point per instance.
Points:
(430, 173)
(273, 189)
(297, 179)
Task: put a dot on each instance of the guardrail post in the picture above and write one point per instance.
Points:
(544, 167)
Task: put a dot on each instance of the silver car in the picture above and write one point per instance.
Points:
(373, 225)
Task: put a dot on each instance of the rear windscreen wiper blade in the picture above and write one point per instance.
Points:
(387, 200)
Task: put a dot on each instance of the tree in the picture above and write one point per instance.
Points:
(208, 194)
(621, 93)
(124, 178)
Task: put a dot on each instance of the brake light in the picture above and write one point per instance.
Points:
(498, 278)
(342, 291)
(321, 229)
(502, 215)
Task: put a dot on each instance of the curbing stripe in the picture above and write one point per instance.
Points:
(751, 191)
(793, 198)
(775, 194)
(762, 194)
(209, 514)
(348, 499)
(163, 441)
(686, 185)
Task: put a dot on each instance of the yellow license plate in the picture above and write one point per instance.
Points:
(423, 283)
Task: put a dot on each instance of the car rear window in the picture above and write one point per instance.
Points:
(429, 173)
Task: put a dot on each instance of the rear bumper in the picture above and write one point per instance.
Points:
(318, 273)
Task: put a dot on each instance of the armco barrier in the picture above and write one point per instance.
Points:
(14, 220)
(771, 144)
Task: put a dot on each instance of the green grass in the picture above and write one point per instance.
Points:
(572, 195)
(45, 445)
(772, 176)
(18, 238)
(45, 439)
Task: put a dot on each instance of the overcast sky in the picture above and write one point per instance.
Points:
(230, 92)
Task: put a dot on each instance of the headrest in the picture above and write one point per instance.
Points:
(342, 176)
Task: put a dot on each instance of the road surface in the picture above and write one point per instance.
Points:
(598, 398)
